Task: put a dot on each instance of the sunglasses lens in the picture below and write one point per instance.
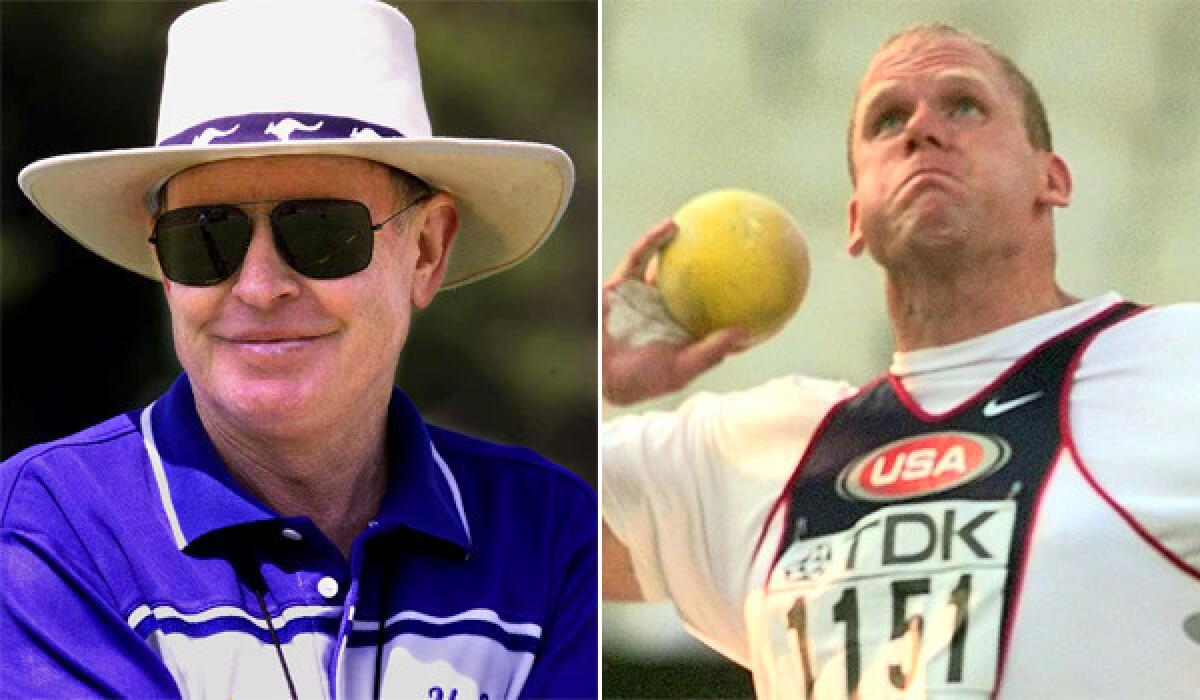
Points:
(201, 246)
(324, 238)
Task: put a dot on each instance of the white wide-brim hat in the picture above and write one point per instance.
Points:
(248, 78)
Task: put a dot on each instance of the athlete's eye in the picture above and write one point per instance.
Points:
(966, 106)
(888, 121)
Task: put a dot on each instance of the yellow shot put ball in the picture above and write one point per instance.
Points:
(738, 259)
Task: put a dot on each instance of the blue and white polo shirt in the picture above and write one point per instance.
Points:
(133, 565)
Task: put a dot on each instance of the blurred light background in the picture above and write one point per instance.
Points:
(699, 95)
(511, 358)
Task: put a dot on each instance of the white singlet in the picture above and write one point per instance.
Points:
(1110, 596)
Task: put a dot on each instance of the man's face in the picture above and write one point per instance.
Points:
(274, 351)
(945, 170)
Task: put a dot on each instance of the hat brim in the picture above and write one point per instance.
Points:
(511, 194)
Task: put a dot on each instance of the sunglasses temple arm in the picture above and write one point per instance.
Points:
(428, 194)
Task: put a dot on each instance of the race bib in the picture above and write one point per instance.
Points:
(906, 603)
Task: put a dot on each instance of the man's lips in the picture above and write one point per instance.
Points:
(922, 172)
(261, 339)
(926, 176)
(272, 344)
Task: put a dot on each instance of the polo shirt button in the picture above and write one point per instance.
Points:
(327, 587)
(292, 534)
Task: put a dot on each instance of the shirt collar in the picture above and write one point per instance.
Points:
(1004, 345)
(200, 497)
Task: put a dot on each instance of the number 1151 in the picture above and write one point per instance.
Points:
(845, 611)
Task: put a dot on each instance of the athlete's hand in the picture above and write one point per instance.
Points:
(645, 353)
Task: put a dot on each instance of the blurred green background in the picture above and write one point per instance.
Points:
(699, 95)
(511, 358)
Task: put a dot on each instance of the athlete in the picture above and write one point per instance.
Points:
(283, 522)
(1012, 510)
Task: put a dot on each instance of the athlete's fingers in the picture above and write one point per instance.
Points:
(651, 272)
(633, 266)
(709, 350)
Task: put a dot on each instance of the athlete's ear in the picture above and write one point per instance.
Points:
(855, 245)
(1055, 190)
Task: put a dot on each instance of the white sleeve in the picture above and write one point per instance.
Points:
(688, 492)
(1135, 419)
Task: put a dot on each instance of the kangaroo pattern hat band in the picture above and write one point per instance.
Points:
(265, 127)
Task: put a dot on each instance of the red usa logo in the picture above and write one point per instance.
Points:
(921, 465)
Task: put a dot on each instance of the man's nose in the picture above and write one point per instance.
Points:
(925, 128)
(264, 278)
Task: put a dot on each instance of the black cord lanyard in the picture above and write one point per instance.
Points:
(260, 586)
(287, 674)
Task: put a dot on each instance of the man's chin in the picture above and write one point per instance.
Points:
(933, 225)
(271, 406)
(929, 250)
(937, 238)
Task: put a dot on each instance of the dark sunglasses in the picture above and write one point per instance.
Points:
(204, 245)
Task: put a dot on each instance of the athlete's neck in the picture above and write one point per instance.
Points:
(935, 311)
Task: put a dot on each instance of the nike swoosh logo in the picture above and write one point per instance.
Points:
(1191, 627)
(994, 408)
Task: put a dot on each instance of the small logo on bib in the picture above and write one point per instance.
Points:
(916, 466)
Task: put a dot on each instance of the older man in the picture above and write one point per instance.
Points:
(982, 520)
(282, 522)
